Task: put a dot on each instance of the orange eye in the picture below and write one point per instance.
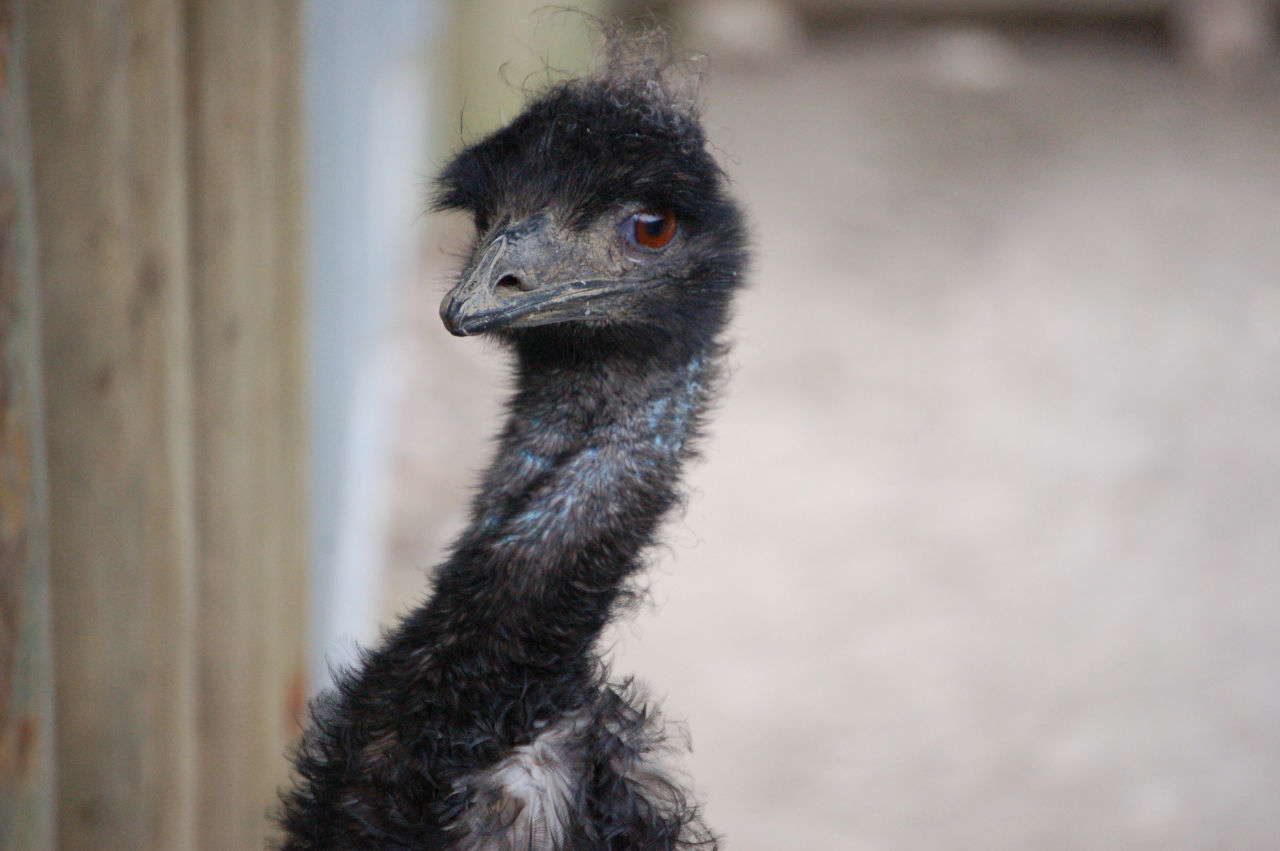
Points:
(651, 229)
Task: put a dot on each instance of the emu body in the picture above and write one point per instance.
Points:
(485, 720)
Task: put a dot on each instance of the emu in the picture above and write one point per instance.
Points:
(607, 249)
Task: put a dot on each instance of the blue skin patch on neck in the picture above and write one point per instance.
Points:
(642, 447)
(535, 460)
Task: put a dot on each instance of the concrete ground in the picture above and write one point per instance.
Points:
(985, 551)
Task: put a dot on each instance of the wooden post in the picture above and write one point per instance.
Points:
(168, 179)
(26, 665)
(106, 87)
(246, 166)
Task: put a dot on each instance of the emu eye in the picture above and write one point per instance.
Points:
(650, 228)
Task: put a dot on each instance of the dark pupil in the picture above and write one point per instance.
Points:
(653, 225)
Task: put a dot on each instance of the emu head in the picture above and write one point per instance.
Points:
(598, 211)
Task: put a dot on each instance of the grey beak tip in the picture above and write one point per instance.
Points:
(450, 315)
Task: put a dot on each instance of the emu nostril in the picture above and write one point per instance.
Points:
(512, 282)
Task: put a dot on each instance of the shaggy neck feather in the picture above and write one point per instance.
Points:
(587, 466)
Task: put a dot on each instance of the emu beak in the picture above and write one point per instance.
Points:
(527, 276)
(477, 302)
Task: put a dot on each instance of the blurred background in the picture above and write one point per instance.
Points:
(985, 549)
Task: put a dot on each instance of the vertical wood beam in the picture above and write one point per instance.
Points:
(289, 448)
(244, 111)
(106, 97)
(26, 663)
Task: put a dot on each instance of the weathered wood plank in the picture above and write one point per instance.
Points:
(289, 596)
(247, 218)
(26, 663)
(107, 85)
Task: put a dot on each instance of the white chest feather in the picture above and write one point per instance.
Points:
(524, 802)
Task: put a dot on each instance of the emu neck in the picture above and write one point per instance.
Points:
(587, 465)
